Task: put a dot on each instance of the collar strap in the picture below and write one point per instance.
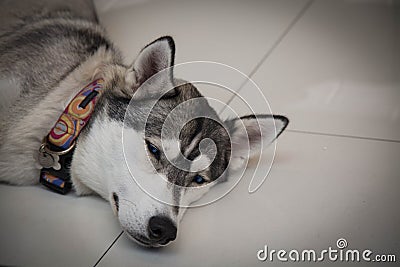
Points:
(55, 152)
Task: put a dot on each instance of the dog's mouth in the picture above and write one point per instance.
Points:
(143, 241)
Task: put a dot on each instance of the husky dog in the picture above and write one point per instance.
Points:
(51, 57)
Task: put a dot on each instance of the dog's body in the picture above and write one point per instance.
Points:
(50, 58)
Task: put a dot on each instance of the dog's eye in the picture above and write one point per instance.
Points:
(153, 150)
(198, 179)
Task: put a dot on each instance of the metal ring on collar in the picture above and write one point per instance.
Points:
(45, 147)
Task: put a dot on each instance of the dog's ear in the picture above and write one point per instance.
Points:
(158, 56)
(259, 130)
(154, 57)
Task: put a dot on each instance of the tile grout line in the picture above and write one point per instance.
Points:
(344, 136)
(105, 252)
(272, 48)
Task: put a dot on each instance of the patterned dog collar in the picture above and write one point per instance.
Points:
(55, 152)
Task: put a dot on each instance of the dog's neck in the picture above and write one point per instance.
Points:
(56, 151)
(98, 66)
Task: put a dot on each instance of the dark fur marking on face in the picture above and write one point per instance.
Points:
(176, 209)
(114, 107)
(116, 201)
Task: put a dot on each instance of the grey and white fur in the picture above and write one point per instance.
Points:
(51, 56)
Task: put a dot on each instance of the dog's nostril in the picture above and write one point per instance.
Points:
(156, 232)
(116, 201)
(161, 229)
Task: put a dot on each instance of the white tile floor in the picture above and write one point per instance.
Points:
(336, 74)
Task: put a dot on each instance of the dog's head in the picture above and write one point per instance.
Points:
(151, 161)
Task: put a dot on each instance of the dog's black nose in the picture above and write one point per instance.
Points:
(161, 230)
